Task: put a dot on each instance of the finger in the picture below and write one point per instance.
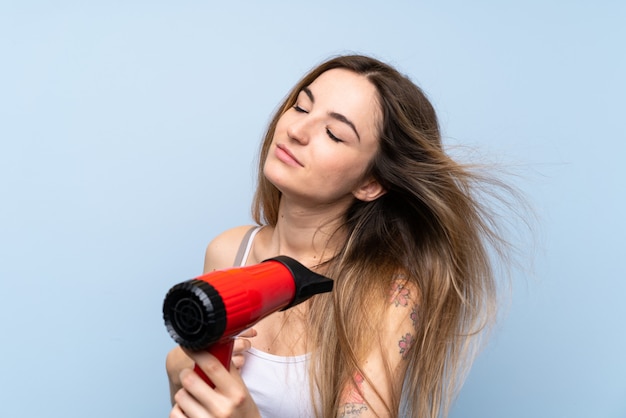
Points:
(248, 333)
(197, 398)
(212, 367)
(176, 412)
(237, 361)
(188, 407)
(230, 391)
(240, 345)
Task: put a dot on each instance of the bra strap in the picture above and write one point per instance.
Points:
(245, 246)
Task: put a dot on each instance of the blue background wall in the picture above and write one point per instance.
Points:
(128, 134)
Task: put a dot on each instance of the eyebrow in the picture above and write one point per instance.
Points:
(334, 115)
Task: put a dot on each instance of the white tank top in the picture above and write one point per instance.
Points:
(279, 385)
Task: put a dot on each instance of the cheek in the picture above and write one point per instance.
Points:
(341, 169)
(280, 131)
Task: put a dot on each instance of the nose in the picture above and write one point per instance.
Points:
(299, 130)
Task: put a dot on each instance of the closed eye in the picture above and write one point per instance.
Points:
(299, 109)
(332, 136)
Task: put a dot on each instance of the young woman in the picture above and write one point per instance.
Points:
(355, 184)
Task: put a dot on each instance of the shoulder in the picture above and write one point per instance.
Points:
(221, 251)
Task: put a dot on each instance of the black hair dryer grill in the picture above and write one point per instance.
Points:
(207, 312)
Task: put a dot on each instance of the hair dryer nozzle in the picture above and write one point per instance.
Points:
(194, 314)
(308, 283)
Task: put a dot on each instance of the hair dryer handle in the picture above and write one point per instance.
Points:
(223, 351)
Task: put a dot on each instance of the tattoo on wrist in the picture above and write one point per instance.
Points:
(352, 396)
(352, 410)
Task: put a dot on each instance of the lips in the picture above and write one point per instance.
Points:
(284, 155)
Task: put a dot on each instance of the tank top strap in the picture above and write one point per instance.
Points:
(245, 246)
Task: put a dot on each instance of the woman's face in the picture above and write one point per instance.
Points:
(325, 142)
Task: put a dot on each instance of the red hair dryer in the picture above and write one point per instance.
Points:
(207, 312)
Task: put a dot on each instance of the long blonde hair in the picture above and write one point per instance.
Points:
(431, 226)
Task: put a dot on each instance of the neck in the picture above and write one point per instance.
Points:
(311, 235)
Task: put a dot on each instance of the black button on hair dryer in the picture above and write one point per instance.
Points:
(207, 312)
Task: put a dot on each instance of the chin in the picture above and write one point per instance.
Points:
(275, 172)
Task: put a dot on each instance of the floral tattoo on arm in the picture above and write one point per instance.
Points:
(405, 345)
(400, 296)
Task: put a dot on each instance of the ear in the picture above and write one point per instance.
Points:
(369, 190)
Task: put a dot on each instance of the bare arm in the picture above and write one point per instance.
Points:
(368, 393)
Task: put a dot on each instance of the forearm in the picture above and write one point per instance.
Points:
(175, 362)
